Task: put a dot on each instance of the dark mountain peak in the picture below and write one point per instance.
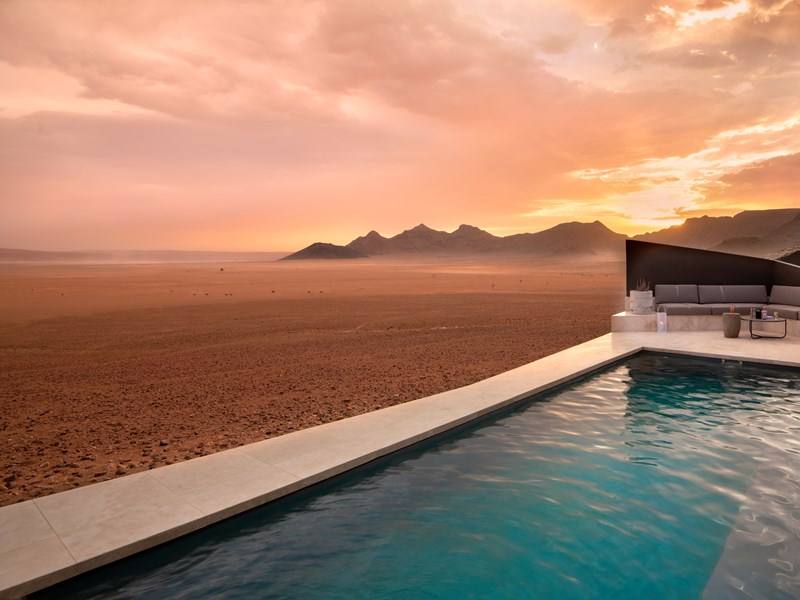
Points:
(598, 225)
(323, 250)
(777, 213)
(710, 232)
(371, 244)
(602, 227)
(595, 228)
(573, 238)
(421, 228)
(792, 258)
(794, 222)
(572, 225)
(420, 231)
(471, 232)
(419, 239)
(581, 224)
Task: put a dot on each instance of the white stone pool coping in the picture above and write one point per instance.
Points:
(50, 539)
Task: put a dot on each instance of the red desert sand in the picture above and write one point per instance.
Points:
(110, 370)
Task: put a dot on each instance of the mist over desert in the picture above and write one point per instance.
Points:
(106, 370)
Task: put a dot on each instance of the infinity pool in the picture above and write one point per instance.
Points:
(657, 477)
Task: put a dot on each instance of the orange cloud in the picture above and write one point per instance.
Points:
(773, 183)
(131, 124)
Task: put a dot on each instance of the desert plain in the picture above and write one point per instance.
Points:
(106, 370)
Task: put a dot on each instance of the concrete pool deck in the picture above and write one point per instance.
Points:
(50, 539)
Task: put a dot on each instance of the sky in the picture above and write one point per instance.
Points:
(268, 125)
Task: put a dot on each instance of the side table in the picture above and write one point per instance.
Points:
(762, 334)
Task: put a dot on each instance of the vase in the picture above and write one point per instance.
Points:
(731, 324)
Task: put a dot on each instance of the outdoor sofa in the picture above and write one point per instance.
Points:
(692, 299)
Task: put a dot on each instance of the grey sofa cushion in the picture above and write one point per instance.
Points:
(732, 294)
(710, 294)
(685, 308)
(669, 293)
(785, 294)
(743, 308)
(783, 310)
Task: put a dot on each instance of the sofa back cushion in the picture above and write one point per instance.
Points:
(667, 293)
(710, 294)
(719, 294)
(785, 294)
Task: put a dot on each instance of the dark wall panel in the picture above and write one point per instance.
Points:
(786, 274)
(661, 263)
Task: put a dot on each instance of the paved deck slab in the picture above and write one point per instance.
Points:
(50, 539)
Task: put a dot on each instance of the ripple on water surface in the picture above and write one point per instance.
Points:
(659, 477)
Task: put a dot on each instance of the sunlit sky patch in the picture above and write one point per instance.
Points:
(695, 17)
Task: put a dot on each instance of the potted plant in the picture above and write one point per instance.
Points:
(641, 298)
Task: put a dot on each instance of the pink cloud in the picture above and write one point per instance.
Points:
(287, 118)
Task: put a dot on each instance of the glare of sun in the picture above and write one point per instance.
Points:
(700, 17)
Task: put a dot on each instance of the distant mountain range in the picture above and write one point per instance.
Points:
(567, 239)
(762, 233)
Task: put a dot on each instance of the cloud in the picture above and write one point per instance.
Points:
(773, 183)
(556, 43)
(168, 58)
(706, 5)
(291, 117)
(721, 178)
(740, 43)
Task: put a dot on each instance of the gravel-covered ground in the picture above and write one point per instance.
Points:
(113, 370)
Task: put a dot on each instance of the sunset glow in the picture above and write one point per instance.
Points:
(268, 126)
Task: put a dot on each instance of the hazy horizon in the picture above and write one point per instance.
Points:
(228, 251)
(289, 251)
(267, 127)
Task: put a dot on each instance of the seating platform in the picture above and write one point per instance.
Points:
(629, 322)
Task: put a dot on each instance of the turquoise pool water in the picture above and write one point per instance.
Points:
(658, 477)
